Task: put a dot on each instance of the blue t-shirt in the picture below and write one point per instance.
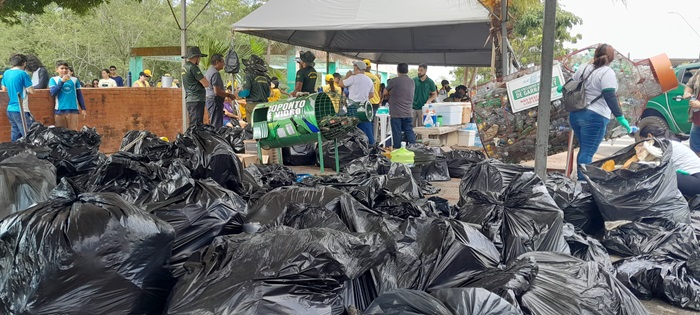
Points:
(67, 99)
(16, 81)
(119, 80)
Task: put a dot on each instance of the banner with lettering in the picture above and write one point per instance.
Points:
(524, 92)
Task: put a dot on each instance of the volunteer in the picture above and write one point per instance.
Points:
(589, 124)
(685, 162)
(692, 91)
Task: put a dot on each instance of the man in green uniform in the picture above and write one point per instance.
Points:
(256, 87)
(195, 85)
(306, 76)
(425, 93)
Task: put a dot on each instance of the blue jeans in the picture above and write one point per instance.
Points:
(589, 128)
(368, 129)
(16, 130)
(400, 126)
(695, 139)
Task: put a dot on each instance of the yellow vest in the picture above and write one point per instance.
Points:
(375, 80)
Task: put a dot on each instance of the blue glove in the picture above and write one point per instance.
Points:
(560, 88)
(624, 123)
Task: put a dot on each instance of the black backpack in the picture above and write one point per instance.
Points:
(574, 94)
(231, 64)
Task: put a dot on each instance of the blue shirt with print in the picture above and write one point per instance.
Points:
(67, 98)
(15, 80)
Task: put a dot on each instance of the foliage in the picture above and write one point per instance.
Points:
(103, 35)
(11, 10)
(527, 33)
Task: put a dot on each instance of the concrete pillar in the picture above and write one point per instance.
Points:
(291, 68)
(135, 67)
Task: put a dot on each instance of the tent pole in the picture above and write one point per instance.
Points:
(328, 63)
(183, 52)
(504, 36)
(543, 110)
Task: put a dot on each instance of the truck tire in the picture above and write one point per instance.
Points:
(650, 121)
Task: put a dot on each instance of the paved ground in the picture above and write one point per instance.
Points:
(450, 191)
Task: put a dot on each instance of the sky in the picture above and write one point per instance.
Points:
(642, 28)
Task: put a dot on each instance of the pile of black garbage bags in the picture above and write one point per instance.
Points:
(182, 228)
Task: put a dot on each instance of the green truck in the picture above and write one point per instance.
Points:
(669, 109)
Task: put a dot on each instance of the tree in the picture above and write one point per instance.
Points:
(527, 42)
(11, 10)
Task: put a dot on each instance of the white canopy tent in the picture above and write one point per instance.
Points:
(436, 32)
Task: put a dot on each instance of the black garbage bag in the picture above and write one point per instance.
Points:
(472, 301)
(522, 219)
(90, 253)
(72, 152)
(435, 253)
(272, 176)
(133, 177)
(568, 285)
(489, 176)
(305, 216)
(475, 301)
(199, 211)
(430, 164)
(208, 155)
(234, 136)
(144, 142)
(410, 302)
(509, 282)
(652, 236)
(576, 201)
(391, 188)
(10, 149)
(638, 192)
(248, 132)
(403, 207)
(660, 277)
(354, 145)
(24, 181)
(459, 161)
(586, 248)
(285, 271)
(300, 155)
(373, 164)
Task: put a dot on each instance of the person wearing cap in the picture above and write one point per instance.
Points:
(333, 90)
(275, 92)
(256, 85)
(216, 92)
(361, 90)
(460, 95)
(144, 76)
(306, 76)
(195, 85)
(425, 93)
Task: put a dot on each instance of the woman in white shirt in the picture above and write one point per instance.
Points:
(106, 81)
(683, 159)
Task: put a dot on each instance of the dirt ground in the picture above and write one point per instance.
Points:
(450, 191)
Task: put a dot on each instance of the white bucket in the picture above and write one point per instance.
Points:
(166, 81)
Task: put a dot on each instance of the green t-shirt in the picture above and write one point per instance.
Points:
(194, 90)
(422, 92)
(259, 87)
(307, 76)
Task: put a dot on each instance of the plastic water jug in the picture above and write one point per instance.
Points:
(403, 155)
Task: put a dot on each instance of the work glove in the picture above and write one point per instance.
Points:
(682, 172)
(624, 123)
(560, 88)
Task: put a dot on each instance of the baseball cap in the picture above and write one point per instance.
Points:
(367, 63)
(360, 65)
(148, 73)
(143, 73)
(329, 77)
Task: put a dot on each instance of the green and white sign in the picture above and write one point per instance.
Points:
(524, 92)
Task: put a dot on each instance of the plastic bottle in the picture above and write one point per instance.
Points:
(429, 117)
(403, 155)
